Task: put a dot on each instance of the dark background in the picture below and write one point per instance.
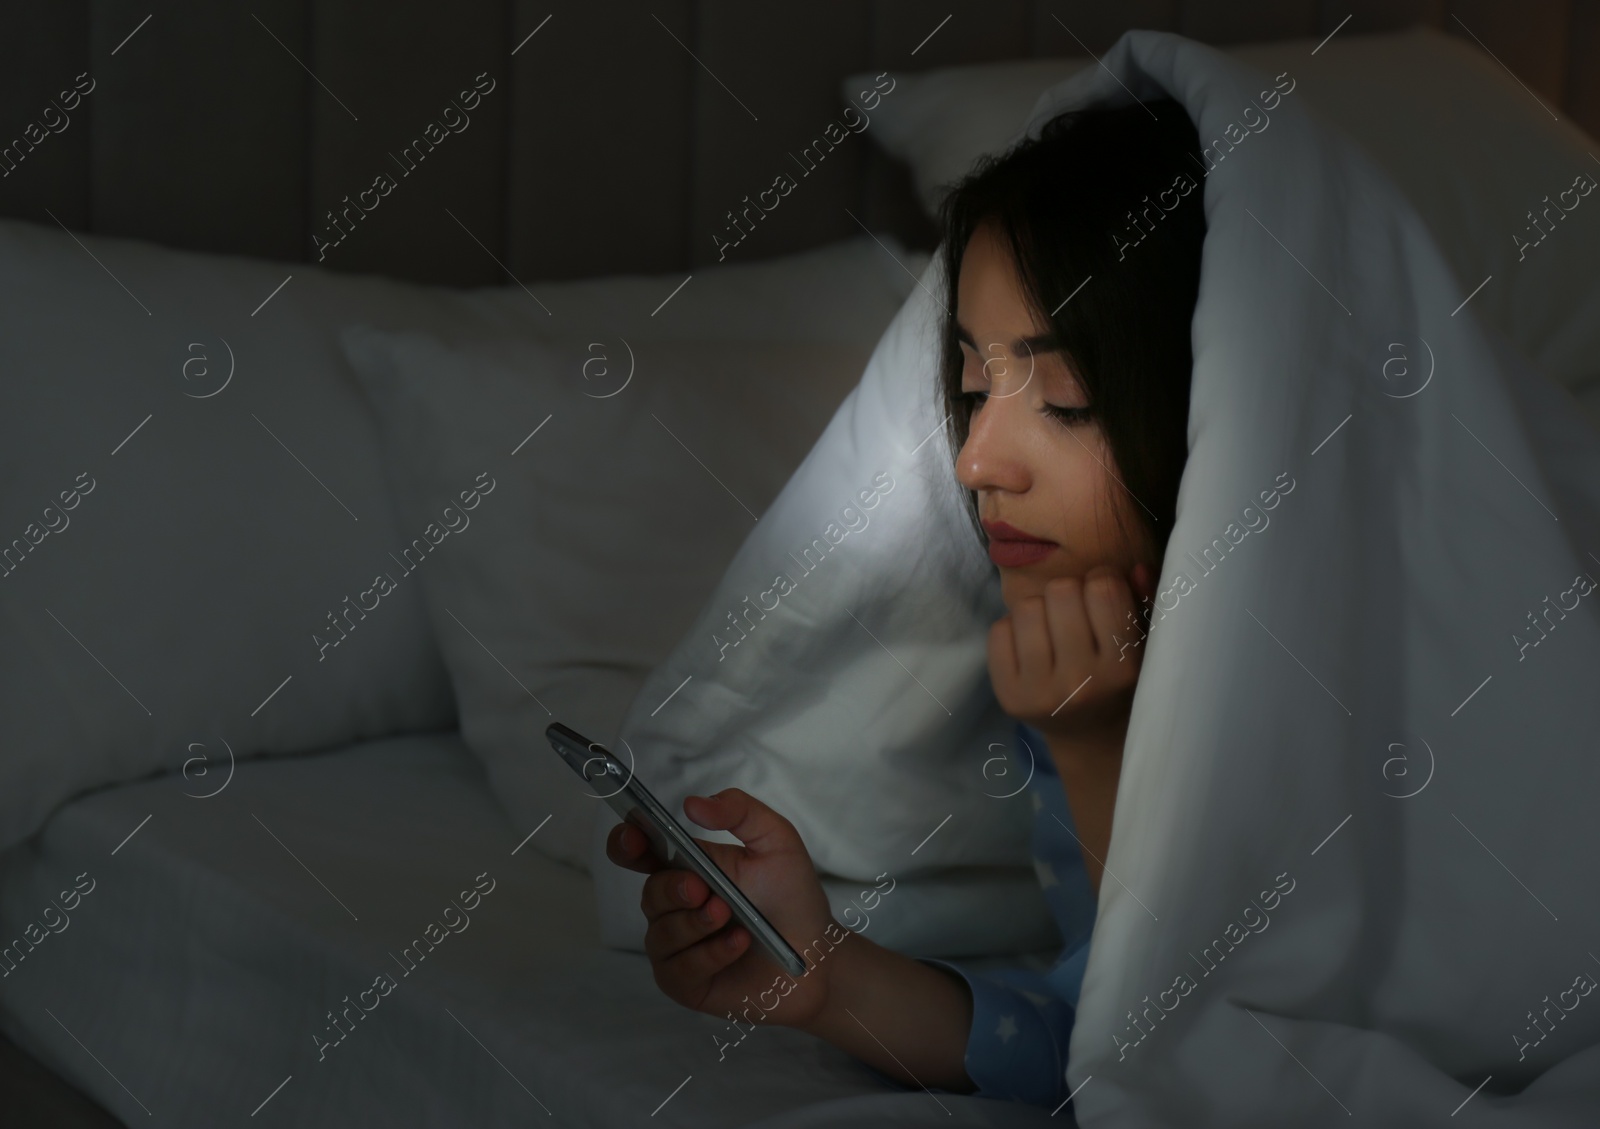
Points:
(605, 146)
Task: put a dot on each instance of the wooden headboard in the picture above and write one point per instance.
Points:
(604, 136)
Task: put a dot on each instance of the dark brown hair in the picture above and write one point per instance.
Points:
(1113, 195)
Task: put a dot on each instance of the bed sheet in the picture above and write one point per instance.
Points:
(219, 964)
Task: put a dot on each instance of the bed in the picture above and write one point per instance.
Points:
(197, 930)
(252, 885)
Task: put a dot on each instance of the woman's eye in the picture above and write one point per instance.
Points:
(1069, 415)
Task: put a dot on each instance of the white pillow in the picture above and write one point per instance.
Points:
(840, 293)
(1470, 148)
(938, 122)
(600, 512)
(221, 533)
(182, 591)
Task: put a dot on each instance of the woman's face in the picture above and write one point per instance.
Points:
(1039, 467)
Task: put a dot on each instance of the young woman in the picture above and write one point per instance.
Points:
(1065, 371)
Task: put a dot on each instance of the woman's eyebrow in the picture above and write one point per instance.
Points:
(1038, 343)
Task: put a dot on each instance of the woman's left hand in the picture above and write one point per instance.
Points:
(1066, 661)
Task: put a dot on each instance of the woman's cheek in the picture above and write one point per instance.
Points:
(1078, 485)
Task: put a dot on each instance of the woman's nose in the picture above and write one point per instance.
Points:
(990, 458)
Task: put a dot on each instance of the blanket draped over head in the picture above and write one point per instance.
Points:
(1354, 873)
(1357, 862)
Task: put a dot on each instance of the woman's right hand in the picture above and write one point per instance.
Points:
(701, 957)
(1061, 646)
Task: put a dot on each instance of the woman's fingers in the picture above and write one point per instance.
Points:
(1109, 602)
(1071, 633)
(674, 931)
(671, 889)
(683, 913)
(684, 976)
(1077, 642)
(752, 822)
(1033, 625)
(628, 847)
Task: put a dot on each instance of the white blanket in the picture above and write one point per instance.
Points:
(1353, 857)
(1354, 840)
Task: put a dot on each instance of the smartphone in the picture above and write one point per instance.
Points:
(672, 843)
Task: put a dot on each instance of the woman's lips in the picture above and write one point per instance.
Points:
(1015, 554)
(1010, 547)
